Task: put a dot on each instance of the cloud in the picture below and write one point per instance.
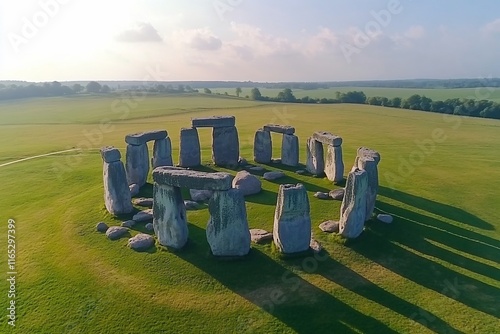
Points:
(143, 32)
(198, 39)
(492, 27)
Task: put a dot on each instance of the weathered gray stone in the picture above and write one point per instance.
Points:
(110, 154)
(143, 216)
(329, 226)
(117, 197)
(116, 232)
(353, 208)
(137, 164)
(276, 160)
(300, 171)
(337, 194)
(322, 195)
(147, 202)
(290, 150)
(213, 122)
(141, 242)
(191, 205)
(191, 179)
(257, 169)
(385, 218)
(365, 151)
(242, 161)
(315, 246)
(369, 164)
(189, 152)
(101, 227)
(271, 176)
(134, 189)
(169, 216)
(227, 229)
(262, 147)
(247, 183)
(334, 164)
(292, 221)
(162, 153)
(142, 138)
(149, 227)
(128, 223)
(200, 195)
(260, 236)
(285, 129)
(315, 163)
(327, 138)
(225, 146)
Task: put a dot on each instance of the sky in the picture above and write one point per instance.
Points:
(248, 40)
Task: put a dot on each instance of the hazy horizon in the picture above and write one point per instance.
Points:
(238, 40)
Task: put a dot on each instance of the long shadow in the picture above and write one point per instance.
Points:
(309, 186)
(265, 197)
(436, 208)
(281, 293)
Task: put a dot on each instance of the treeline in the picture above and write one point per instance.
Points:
(455, 106)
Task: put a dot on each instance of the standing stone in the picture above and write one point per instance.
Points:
(290, 150)
(227, 229)
(169, 216)
(117, 197)
(334, 165)
(189, 152)
(353, 208)
(225, 146)
(162, 153)
(137, 165)
(292, 221)
(369, 165)
(315, 161)
(262, 147)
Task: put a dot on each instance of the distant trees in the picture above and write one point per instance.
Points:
(93, 87)
(105, 89)
(77, 88)
(207, 91)
(238, 91)
(286, 96)
(255, 94)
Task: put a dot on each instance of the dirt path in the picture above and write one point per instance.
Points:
(37, 156)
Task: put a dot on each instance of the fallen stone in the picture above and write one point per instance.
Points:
(247, 183)
(260, 236)
(276, 160)
(227, 229)
(134, 189)
(128, 223)
(353, 208)
(334, 164)
(329, 226)
(143, 216)
(257, 169)
(141, 138)
(189, 152)
(385, 218)
(110, 154)
(262, 147)
(137, 164)
(200, 195)
(149, 227)
(169, 216)
(292, 221)
(285, 129)
(271, 176)
(337, 194)
(315, 246)
(322, 195)
(141, 242)
(213, 122)
(300, 171)
(290, 150)
(184, 178)
(147, 202)
(101, 227)
(315, 162)
(225, 146)
(162, 153)
(191, 205)
(116, 232)
(117, 198)
(327, 138)
(242, 161)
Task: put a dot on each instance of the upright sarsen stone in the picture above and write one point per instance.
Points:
(117, 197)
(225, 146)
(189, 152)
(315, 163)
(262, 147)
(169, 216)
(227, 229)
(290, 150)
(137, 164)
(353, 208)
(369, 165)
(292, 221)
(334, 164)
(162, 153)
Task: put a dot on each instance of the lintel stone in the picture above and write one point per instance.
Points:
(143, 137)
(185, 178)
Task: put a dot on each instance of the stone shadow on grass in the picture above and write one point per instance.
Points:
(276, 290)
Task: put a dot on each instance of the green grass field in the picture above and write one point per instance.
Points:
(485, 93)
(435, 269)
